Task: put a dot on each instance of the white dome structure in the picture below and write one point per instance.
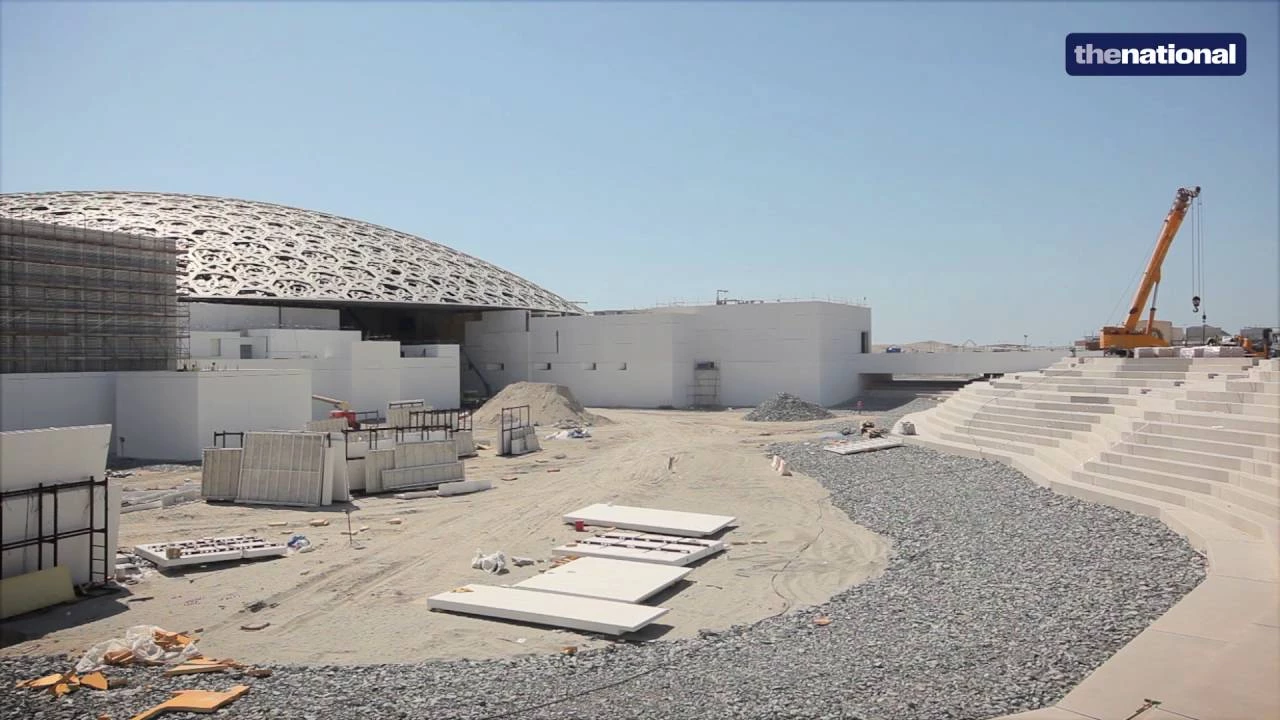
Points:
(245, 251)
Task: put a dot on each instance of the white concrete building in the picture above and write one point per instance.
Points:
(728, 355)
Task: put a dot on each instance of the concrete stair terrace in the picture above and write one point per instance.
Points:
(1194, 442)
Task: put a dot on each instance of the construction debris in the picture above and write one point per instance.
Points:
(201, 701)
(493, 564)
(142, 644)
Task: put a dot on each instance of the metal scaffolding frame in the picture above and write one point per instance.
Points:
(74, 299)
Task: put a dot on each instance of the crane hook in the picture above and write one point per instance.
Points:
(1195, 303)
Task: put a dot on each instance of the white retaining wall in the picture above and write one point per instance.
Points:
(44, 400)
(54, 456)
(173, 415)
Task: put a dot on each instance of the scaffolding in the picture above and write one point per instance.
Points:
(73, 299)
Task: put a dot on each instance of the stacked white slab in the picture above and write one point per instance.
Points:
(279, 468)
(220, 474)
(670, 522)
(642, 547)
(423, 465)
(519, 441)
(544, 608)
(210, 550)
(618, 580)
(1192, 441)
(853, 447)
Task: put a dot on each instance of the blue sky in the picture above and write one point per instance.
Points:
(932, 158)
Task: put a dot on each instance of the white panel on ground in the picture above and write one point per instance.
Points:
(642, 547)
(852, 447)
(672, 522)
(606, 579)
(282, 469)
(462, 488)
(432, 452)
(220, 473)
(542, 608)
(209, 550)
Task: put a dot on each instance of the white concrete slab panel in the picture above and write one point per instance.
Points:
(619, 580)
(642, 547)
(543, 608)
(220, 473)
(424, 476)
(463, 487)
(375, 463)
(282, 469)
(672, 522)
(431, 452)
(853, 447)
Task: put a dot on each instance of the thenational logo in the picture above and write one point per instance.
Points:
(1155, 54)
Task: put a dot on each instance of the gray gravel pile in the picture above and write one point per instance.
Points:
(1000, 597)
(785, 407)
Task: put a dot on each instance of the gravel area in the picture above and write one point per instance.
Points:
(785, 407)
(1001, 597)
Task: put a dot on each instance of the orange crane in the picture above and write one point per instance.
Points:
(1123, 339)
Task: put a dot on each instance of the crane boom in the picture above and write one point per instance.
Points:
(1151, 277)
(1126, 337)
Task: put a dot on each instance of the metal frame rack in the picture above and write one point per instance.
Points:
(97, 533)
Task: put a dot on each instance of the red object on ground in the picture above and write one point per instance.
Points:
(579, 526)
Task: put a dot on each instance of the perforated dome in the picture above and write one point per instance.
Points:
(239, 249)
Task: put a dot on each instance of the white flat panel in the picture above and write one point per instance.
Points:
(283, 469)
(671, 522)
(852, 447)
(220, 473)
(642, 547)
(606, 579)
(463, 487)
(375, 462)
(542, 608)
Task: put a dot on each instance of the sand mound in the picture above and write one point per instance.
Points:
(784, 407)
(549, 404)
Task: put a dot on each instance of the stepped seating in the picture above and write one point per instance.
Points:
(1194, 442)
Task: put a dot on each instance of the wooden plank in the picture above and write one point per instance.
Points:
(670, 522)
(544, 608)
(606, 579)
(642, 547)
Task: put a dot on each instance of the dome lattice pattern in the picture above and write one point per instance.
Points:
(241, 249)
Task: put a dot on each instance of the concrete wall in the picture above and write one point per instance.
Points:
(434, 378)
(156, 414)
(43, 400)
(808, 349)
(250, 400)
(172, 416)
(375, 369)
(292, 344)
(220, 316)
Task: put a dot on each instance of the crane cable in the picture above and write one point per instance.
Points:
(1197, 262)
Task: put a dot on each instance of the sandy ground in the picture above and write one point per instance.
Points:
(365, 601)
